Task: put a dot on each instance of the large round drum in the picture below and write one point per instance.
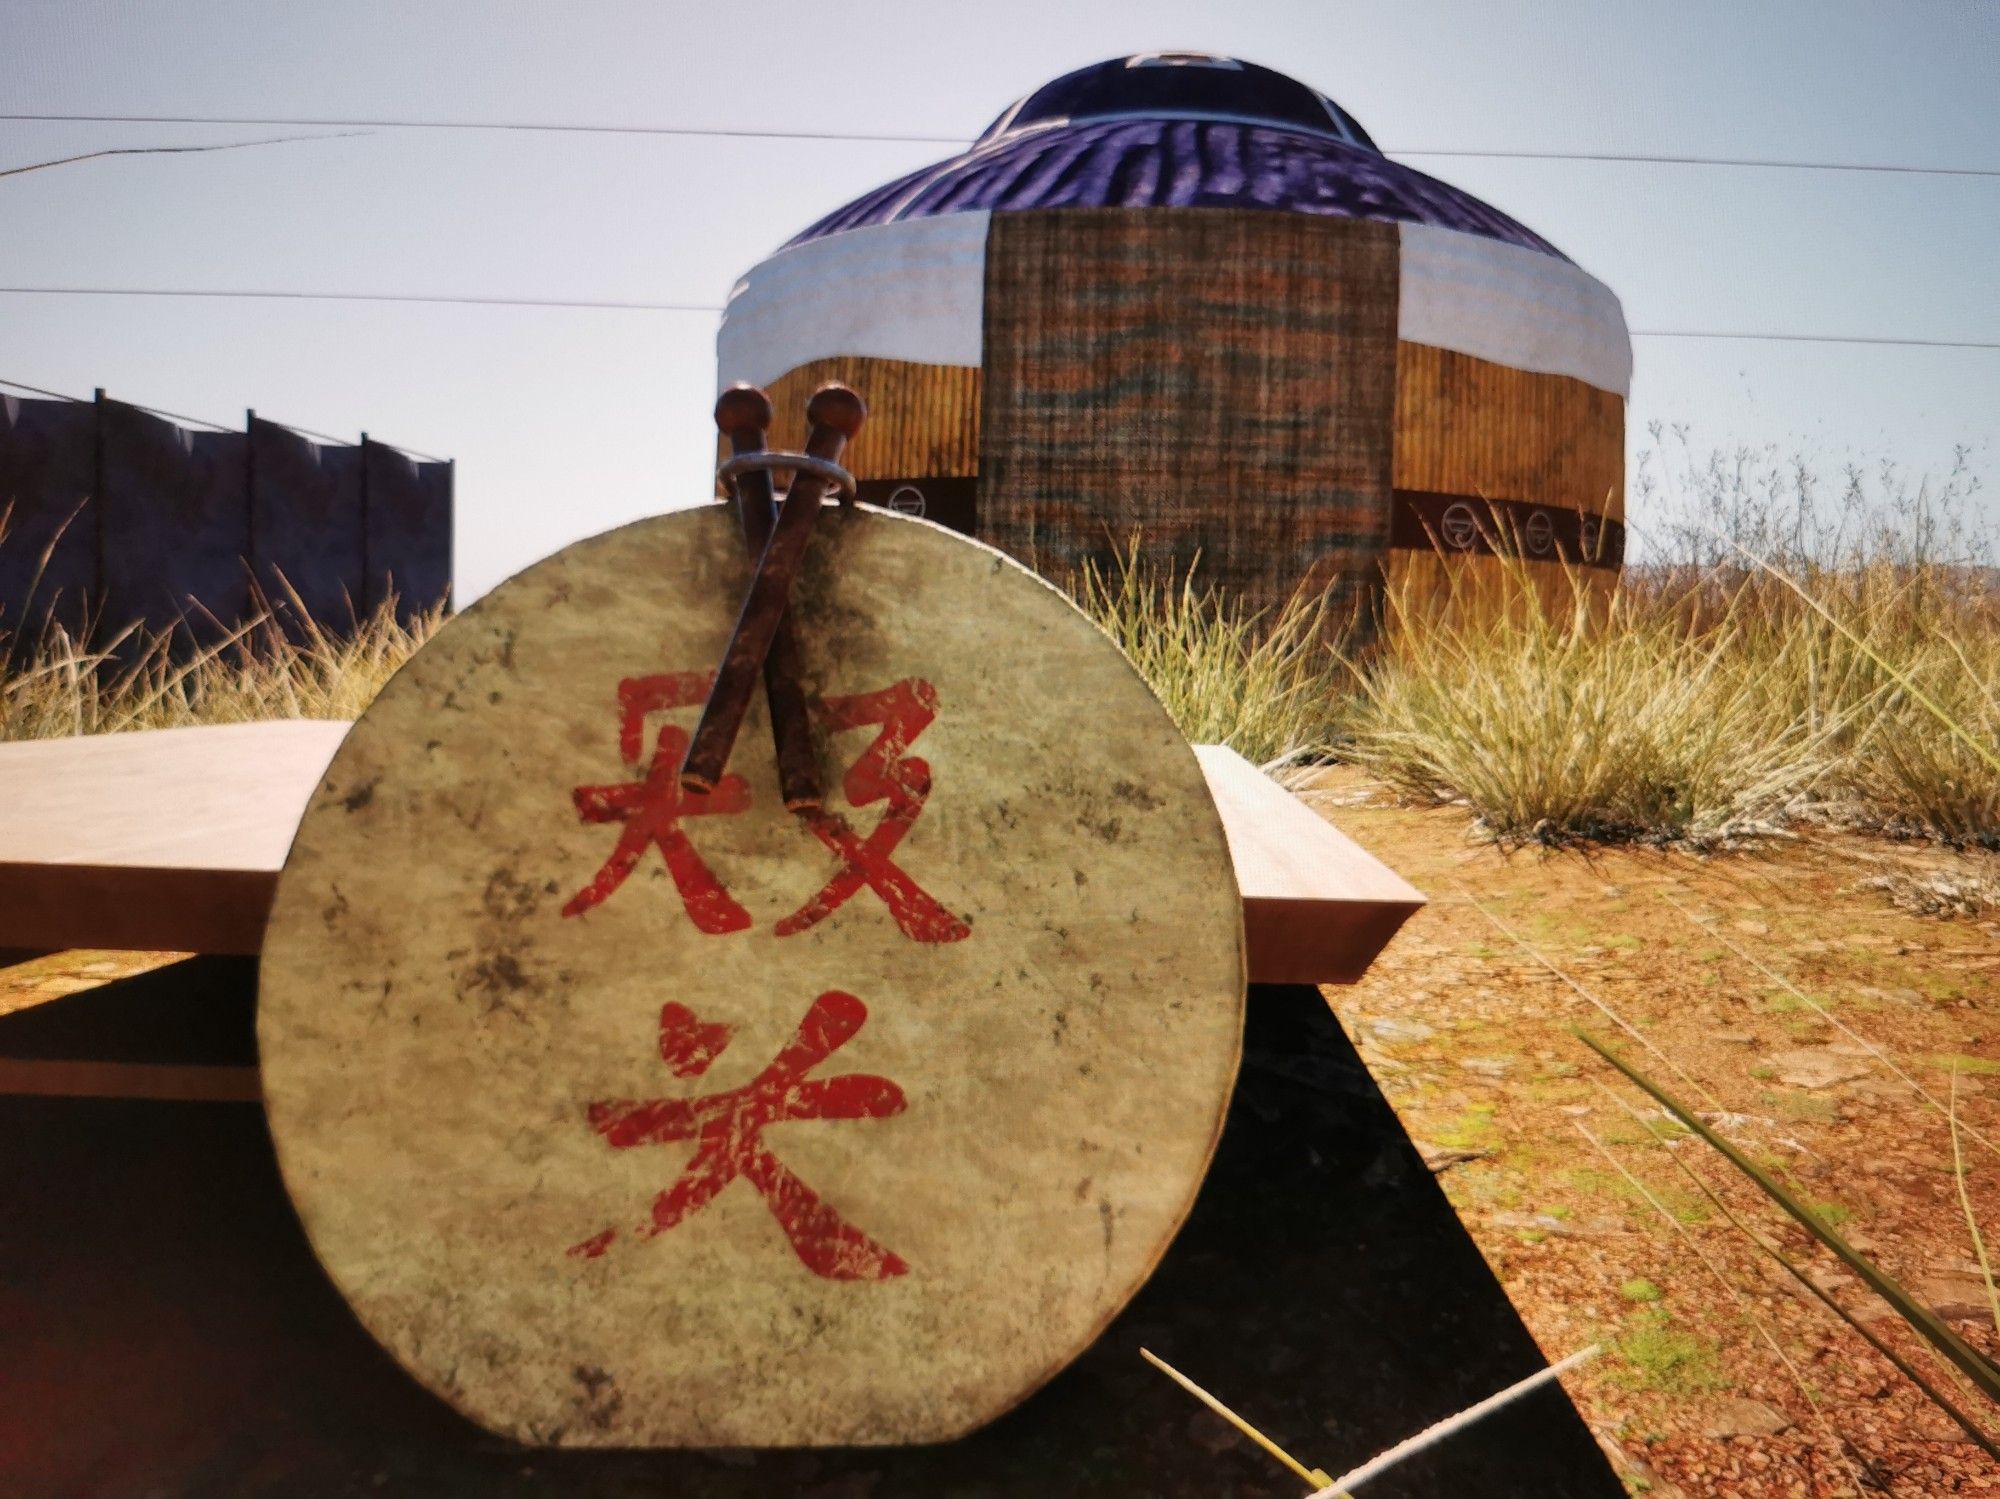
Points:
(627, 1117)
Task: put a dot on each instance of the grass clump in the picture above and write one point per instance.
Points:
(1680, 704)
(1659, 1356)
(1796, 654)
(1576, 712)
(58, 686)
(1262, 686)
(1693, 708)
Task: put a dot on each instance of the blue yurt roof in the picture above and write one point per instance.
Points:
(1177, 130)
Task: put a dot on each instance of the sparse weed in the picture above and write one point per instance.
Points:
(1660, 1356)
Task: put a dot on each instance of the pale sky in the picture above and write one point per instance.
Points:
(567, 421)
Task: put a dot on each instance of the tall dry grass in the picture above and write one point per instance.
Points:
(55, 685)
(1795, 659)
(1691, 704)
(1796, 653)
(1563, 714)
(1227, 675)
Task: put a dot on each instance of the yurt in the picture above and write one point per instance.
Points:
(1185, 299)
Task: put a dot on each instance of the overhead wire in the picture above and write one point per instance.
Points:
(619, 305)
(1752, 163)
(698, 132)
(631, 305)
(278, 140)
(524, 126)
(449, 299)
(1819, 338)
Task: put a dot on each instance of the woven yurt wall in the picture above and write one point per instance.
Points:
(1218, 383)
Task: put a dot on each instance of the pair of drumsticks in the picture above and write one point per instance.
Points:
(764, 641)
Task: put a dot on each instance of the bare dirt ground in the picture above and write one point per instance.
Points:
(1730, 1379)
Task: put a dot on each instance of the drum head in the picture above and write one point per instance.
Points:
(628, 1118)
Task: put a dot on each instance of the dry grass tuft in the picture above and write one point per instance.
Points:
(1693, 706)
(58, 687)
(1562, 714)
(1848, 673)
(1227, 676)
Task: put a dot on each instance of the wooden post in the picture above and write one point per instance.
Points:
(253, 587)
(367, 551)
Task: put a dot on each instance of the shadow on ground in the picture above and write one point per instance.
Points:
(165, 1330)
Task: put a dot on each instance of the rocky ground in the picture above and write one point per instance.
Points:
(1721, 1375)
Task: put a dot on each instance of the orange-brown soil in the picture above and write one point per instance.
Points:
(1470, 1038)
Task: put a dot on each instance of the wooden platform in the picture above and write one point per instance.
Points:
(173, 838)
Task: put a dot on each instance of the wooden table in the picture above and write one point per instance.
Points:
(173, 839)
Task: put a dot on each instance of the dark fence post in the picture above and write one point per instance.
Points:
(93, 615)
(253, 582)
(450, 531)
(366, 604)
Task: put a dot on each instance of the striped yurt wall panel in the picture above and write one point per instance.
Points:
(918, 452)
(1218, 383)
(923, 419)
(1546, 452)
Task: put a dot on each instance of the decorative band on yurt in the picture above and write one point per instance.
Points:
(1450, 523)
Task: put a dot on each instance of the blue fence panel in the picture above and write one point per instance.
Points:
(48, 553)
(175, 527)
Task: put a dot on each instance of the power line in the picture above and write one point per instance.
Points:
(1641, 158)
(896, 138)
(351, 296)
(724, 133)
(63, 161)
(708, 307)
(199, 421)
(1819, 338)
(37, 390)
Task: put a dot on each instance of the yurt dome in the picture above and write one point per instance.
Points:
(1184, 298)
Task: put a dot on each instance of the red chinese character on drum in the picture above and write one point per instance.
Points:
(883, 772)
(651, 810)
(728, 1129)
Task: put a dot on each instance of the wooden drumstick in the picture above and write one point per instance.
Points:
(835, 414)
(743, 414)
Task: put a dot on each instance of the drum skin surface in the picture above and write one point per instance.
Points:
(628, 1118)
